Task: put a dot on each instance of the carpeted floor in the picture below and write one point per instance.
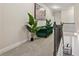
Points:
(39, 47)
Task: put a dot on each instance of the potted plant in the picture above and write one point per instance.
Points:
(46, 30)
(32, 26)
(48, 23)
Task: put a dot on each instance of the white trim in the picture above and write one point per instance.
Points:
(11, 46)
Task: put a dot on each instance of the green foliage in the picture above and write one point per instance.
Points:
(46, 30)
(48, 23)
(32, 23)
(28, 28)
(31, 19)
(34, 27)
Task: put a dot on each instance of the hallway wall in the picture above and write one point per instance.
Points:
(57, 16)
(76, 40)
(76, 14)
(67, 15)
(14, 17)
(1, 25)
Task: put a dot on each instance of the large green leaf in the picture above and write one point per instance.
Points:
(34, 27)
(32, 23)
(31, 19)
(35, 24)
(29, 28)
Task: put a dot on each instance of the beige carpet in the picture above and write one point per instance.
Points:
(39, 47)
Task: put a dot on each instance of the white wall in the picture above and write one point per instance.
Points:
(57, 16)
(76, 39)
(75, 46)
(76, 14)
(14, 17)
(1, 25)
(67, 15)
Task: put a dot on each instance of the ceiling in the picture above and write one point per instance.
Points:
(61, 6)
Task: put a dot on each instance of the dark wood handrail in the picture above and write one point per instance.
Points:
(68, 23)
(58, 34)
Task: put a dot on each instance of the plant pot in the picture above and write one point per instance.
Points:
(32, 39)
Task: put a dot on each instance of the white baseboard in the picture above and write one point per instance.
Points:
(11, 46)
